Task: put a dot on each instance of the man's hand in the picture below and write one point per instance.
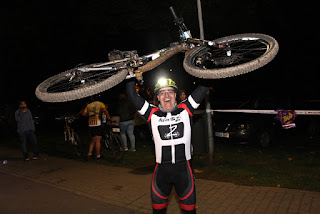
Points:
(106, 113)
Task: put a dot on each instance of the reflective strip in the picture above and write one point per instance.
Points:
(193, 103)
(253, 111)
(144, 108)
(188, 207)
(160, 206)
(173, 154)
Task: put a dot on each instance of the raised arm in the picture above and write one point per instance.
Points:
(199, 93)
(194, 100)
(134, 98)
(144, 108)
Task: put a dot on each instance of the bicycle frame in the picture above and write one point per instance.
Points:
(110, 129)
(112, 139)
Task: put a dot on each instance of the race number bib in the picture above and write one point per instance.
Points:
(94, 121)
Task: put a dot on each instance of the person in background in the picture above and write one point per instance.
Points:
(25, 129)
(126, 112)
(94, 110)
(155, 100)
(183, 95)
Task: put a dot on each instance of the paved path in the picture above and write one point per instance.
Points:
(19, 195)
(130, 189)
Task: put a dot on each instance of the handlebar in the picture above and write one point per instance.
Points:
(186, 37)
(179, 21)
(111, 121)
(176, 19)
(66, 118)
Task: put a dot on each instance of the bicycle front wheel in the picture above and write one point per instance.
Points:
(231, 56)
(76, 84)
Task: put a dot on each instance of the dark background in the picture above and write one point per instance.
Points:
(40, 39)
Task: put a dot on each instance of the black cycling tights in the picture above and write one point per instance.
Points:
(180, 176)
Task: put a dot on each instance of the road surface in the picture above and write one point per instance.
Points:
(19, 195)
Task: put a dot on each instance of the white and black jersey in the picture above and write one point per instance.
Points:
(171, 130)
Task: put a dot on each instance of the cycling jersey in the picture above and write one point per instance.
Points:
(171, 130)
(94, 109)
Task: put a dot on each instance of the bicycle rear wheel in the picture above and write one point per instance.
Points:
(76, 84)
(116, 146)
(233, 55)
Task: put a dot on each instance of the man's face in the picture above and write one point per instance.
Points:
(23, 105)
(167, 97)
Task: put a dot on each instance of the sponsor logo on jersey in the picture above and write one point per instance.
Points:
(168, 132)
(175, 119)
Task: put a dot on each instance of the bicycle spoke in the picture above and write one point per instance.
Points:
(82, 80)
(234, 53)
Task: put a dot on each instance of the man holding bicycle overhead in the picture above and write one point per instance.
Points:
(171, 128)
(94, 110)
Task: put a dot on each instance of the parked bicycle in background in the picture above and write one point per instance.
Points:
(71, 136)
(111, 141)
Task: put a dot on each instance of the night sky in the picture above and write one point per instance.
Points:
(40, 39)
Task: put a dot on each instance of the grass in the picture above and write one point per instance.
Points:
(279, 166)
(282, 165)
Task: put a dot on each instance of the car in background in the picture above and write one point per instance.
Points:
(308, 124)
(261, 129)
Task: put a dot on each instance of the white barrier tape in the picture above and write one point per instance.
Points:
(298, 112)
(245, 111)
(307, 112)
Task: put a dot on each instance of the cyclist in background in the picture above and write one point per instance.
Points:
(94, 111)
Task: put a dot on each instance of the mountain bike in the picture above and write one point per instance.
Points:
(70, 135)
(209, 59)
